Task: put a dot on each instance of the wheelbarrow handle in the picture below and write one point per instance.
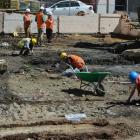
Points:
(70, 67)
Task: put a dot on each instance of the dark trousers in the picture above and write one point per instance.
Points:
(26, 51)
(49, 35)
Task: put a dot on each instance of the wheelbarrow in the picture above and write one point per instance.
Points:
(92, 81)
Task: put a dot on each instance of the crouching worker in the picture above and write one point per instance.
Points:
(26, 45)
(134, 78)
(73, 60)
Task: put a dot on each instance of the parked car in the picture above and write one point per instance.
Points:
(70, 7)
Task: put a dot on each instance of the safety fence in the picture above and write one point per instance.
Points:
(106, 23)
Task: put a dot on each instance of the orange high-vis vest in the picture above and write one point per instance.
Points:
(77, 61)
(27, 20)
(40, 23)
(138, 82)
(49, 23)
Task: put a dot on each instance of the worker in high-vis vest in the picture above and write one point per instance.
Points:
(73, 60)
(40, 19)
(26, 45)
(49, 27)
(27, 23)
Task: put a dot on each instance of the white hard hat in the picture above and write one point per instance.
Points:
(41, 8)
(49, 13)
(28, 10)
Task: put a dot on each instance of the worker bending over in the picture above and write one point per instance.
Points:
(27, 23)
(40, 19)
(134, 78)
(73, 60)
(49, 27)
(26, 45)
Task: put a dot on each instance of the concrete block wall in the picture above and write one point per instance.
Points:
(65, 24)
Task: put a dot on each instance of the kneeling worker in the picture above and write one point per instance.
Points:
(73, 60)
(26, 45)
(134, 78)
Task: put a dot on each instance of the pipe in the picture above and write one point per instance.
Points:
(107, 6)
(127, 6)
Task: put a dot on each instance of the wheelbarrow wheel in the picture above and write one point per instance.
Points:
(100, 90)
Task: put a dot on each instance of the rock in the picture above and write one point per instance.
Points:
(3, 66)
(101, 122)
(4, 44)
(132, 54)
(54, 76)
(29, 139)
(64, 83)
(15, 105)
(40, 69)
(71, 95)
(15, 53)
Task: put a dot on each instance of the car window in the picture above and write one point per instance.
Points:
(61, 5)
(74, 4)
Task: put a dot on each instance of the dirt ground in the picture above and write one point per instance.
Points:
(35, 97)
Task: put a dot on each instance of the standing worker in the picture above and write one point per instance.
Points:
(27, 23)
(40, 19)
(134, 78)
(49, 27)
(73, 60)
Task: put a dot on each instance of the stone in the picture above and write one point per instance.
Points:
(15, 53)
(3, 66)
(132, 54)
(4, 44)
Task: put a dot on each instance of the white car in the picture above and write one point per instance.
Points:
(70, 7)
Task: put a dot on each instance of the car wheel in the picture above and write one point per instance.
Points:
(81, 13)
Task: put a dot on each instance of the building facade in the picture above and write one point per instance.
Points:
(132, 7)
(109, 6)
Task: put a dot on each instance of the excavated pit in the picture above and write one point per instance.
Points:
(33, 91)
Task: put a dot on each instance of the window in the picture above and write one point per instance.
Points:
(61, 5)
(74, 4)
(120, 5)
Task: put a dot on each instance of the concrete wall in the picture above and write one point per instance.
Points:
(66, 24)
(1, 22)
(109, 23)
(78, 24)
(14, 22)
(89, 24)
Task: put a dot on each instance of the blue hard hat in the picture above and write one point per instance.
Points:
(132, 76)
